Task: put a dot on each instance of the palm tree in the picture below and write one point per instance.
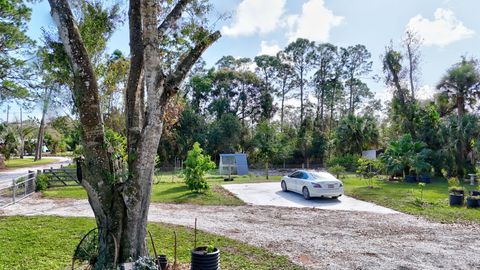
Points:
(356, 133)
(461, 85)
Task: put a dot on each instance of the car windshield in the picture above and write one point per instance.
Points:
(320, 175)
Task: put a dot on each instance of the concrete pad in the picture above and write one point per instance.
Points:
(272, 194)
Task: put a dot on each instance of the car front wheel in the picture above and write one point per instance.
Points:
(284, 186)
(306, 193)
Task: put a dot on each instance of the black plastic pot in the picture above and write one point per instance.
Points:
(201, 260)
(162, 262)
(455, 199)
(472, 203)
(410, 179)
(425, 179)
(475, 193)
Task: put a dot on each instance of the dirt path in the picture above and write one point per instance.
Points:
(315, 238)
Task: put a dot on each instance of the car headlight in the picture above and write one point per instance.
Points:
(341, 184)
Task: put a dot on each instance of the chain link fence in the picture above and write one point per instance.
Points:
(18, 189)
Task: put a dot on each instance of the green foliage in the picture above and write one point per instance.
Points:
(42, 182)
(368, 167)
(355, 134)
(117, 145)
(337, 170)
(10, 142)
(405, 154)
(210, 248)
(196, 166)
(14, 75)
(266, 141)
(52, 240)
(348, 161)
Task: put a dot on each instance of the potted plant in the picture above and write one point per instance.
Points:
(205, 258)
(473, 201)
(456, 195)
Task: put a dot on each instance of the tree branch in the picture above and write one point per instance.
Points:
(188, 60)
(134, 92)
(85, 84)
(172, 17)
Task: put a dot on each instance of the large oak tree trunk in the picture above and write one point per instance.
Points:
(121, 205)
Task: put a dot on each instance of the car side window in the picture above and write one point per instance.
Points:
(304, 176)
(296, 175)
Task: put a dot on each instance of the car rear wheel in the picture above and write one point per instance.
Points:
(284, 186)
(306, 193)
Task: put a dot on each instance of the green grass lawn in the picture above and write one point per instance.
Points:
(48, 243)
(405, 197)
(170, 188)
(16, 163)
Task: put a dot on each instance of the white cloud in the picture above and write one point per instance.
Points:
(269, 48)
(314, 23)
(425, 92)
(444, 29)
(255, 16)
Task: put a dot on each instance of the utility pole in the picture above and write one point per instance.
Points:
(22, 143)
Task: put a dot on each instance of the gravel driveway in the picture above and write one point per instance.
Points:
(315, 238)
(272, 194)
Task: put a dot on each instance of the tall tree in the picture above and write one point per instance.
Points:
(412, 44)
(14, 43)
(286, 81)
(121, 206)
(357, 64)
(403, 107)
(462, 85)
(268, 66)
(300, 54)
(324, 60)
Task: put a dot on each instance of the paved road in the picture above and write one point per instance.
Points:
(314, 238)
(6, 176)
(272, 194)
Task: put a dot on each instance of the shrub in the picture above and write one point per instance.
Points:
(337, 170)
(348, 161)
(196, 166)
(368, 167)
(42, 182)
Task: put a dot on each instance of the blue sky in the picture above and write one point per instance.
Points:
(450, 29)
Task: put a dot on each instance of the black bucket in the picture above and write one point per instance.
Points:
(425, 179)
(162, 262)
(472, 203)
(410, 179)
(205, 261)
(456, 199)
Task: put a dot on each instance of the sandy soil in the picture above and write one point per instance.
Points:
(314, 238)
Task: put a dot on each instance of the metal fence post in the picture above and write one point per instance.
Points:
(14, 187)
(31, 180)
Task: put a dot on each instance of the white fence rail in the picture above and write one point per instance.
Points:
(18, 189)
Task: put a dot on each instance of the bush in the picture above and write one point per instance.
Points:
(348, 161)
(196, 166)
(368, 167)
(42, 182)
(337, 170)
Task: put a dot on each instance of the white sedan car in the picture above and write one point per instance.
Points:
(313, 184)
